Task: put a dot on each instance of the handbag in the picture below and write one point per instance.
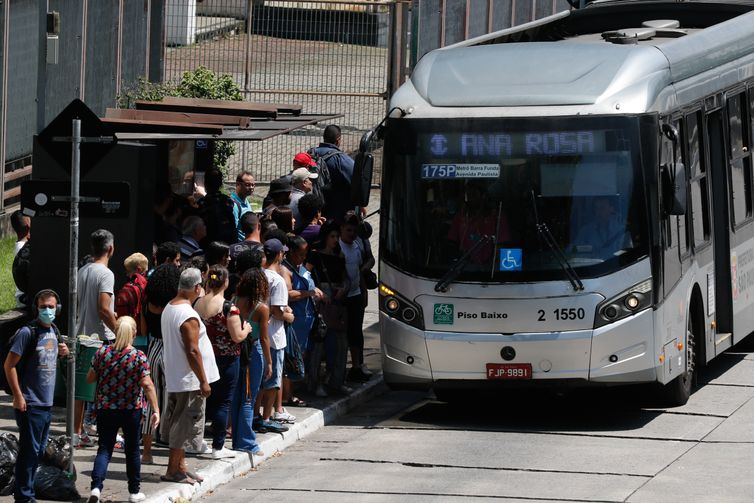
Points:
(319, 329)
(370, 280)
(293, 361)
(369, 277)
(334, 315)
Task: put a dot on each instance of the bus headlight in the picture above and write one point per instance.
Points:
(400, 308)
(392, 304)
(627, 303)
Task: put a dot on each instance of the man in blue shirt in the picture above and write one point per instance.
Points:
(340, 167)
(32, 382)
(244, 189)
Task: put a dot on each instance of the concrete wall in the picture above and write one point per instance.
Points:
(54, 86)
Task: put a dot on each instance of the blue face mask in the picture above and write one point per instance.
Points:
(46, 315)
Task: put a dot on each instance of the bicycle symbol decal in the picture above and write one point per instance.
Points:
(443, 314)
(511, 259)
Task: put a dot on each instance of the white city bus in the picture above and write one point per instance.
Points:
(570, 202)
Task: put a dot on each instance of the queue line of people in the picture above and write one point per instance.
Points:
(224, 301)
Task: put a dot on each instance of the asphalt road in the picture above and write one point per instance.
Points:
(590, 445)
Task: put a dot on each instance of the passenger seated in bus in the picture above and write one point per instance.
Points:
(476, 219)
(605, 234)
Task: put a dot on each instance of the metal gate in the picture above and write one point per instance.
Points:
(329, 56)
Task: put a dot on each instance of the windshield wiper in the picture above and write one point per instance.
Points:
(557, 251)
(457, 267)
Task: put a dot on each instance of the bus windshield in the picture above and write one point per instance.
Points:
(450, 183)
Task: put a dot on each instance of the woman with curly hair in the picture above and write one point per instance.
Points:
(162, 286)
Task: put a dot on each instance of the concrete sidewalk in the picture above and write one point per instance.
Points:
(320, 411)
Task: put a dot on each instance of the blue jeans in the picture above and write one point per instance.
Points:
(242, 411)
(108, 422)
(33, 427)
(218, 403)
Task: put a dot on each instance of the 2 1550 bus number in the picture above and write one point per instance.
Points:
(563, 314)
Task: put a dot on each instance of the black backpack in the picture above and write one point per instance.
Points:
(28, 351)
(324, 180)
(21, 269)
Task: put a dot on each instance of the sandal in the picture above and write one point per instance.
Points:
(196, 477)
(147, 460)
(295, 402)
(178, 478)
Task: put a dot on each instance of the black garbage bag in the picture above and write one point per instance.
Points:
(8, 456)
(57, 453)
(52, 483)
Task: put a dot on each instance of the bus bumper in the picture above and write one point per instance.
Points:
(617, 353)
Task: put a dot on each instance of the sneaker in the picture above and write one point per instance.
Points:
(203, 449)
(284, 417)
(83, 440)
(119, 441)
(365, 370)
(90, 429)
(274, 426)
(222, 453)
(258, 425)
(258, 452)
(357, 375)
(340, 390)
(321, 393)
(136, 498)
(94, 498)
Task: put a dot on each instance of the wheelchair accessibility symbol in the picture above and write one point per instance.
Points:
(511, 259)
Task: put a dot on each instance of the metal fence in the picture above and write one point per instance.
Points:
(329, 56)
(437, 23)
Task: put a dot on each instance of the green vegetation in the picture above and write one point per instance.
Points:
(7, 286)
(200, 83)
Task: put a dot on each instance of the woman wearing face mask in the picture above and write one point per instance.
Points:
(121, 373)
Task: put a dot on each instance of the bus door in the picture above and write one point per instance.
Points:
(721, 230)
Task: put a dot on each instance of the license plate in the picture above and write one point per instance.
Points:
(509, 371)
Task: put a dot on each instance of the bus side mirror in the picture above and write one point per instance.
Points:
(674, 189)
(361, 182)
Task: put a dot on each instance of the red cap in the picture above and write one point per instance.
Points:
(304, 159)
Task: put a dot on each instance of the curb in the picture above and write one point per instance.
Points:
(223, 471)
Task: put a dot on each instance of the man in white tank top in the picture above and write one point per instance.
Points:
(192, 368)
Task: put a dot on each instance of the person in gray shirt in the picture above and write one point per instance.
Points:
(96, 305)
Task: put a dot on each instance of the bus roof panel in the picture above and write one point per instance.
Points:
(532, 74)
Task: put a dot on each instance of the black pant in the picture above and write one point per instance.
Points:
(355, 307)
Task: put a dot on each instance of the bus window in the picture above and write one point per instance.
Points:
(740, 165)
(699, 208)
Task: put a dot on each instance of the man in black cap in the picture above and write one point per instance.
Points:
(279, 195)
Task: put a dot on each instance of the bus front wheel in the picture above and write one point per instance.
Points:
(678, 391)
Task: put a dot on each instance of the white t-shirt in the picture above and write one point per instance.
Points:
(93, 279)
(278, 297)
(178, 374)
(353, 254)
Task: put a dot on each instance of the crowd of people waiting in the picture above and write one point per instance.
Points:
(238, 313)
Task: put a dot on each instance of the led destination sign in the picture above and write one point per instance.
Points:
(518, 144)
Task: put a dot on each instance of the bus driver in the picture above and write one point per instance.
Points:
(605, 234)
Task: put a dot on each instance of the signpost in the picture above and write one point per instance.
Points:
(73, 283)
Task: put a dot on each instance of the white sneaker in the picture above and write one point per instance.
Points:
(203, 449)
(365, 370)
(136, 498)
(94, 497)
(283, 417)
(90, 429)
(222, 453)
